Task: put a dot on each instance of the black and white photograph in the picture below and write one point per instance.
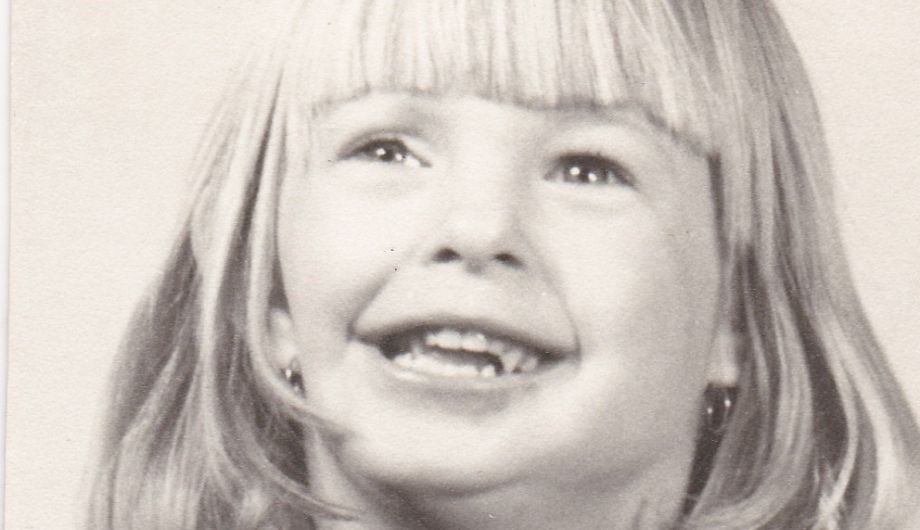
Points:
(464, 265)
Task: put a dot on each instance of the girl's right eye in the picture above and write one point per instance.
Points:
(386, 151)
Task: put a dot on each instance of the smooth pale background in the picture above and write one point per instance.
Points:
(109, 99)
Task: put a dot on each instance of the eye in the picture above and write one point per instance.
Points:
(590, 170)
(386, 151)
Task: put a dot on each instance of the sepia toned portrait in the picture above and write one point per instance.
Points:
(464, 265)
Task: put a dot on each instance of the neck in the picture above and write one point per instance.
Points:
(650, 500)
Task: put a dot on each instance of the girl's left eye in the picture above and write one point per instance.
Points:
(590, 170)
(386, 151)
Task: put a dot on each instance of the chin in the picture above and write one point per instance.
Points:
(433, 457)
(437, 489)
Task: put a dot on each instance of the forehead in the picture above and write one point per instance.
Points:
(563, 54)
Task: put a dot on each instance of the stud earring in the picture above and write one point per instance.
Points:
(293, 377)
(718, 401)
(717, 409)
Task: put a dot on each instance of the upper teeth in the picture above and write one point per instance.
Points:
(514, 357)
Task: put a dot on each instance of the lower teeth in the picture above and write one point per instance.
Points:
(433, 363)
(427, 363)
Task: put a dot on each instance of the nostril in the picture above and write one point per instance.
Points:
(446, 255)
(508, 259)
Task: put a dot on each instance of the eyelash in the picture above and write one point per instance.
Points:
(592, 170)
(386, 151)
(586, 169)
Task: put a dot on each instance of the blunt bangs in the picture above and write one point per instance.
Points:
(554, 54)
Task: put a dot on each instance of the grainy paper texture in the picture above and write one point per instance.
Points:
(110, 98)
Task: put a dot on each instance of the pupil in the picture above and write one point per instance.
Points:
(587, 175)
(388, 154)
(575, 173)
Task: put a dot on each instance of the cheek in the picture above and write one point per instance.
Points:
(644, 336)
(323, 240)
(635, 290)
(644, 308)
(336, 247)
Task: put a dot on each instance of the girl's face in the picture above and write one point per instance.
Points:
(486, 295)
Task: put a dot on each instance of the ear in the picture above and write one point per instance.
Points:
(723, 357)
(282, 340)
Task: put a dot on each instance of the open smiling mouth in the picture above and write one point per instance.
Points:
(462, 353)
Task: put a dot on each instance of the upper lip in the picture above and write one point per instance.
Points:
(529, 318)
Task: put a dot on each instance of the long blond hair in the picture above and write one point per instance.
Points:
(202, 432)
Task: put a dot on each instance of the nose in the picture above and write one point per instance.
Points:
(481, 223)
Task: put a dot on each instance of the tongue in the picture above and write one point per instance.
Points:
(462, 358)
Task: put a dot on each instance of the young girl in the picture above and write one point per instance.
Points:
(496, 265)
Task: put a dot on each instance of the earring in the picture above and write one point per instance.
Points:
(717, 408)
(718, 401)
(293, 377)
